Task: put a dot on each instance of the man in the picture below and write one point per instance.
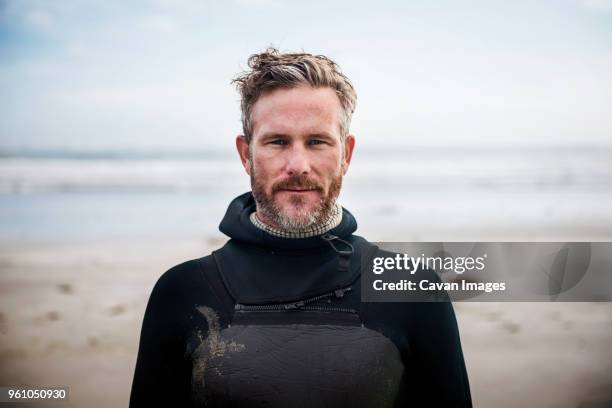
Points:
(274, 318)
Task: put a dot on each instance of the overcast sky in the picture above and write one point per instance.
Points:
(155, 74)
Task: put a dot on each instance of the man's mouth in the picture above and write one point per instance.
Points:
(299, 191)
(297, 185)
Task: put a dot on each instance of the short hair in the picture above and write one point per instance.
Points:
(272, 70)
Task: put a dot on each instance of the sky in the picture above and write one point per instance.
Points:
(154, 75)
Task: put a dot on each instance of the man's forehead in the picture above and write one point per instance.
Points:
(304, 109)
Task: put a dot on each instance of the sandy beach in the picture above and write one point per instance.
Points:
(70, 315)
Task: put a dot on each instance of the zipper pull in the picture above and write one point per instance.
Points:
(329, 238)
(294, 306)
(339, 293)
(238, 307)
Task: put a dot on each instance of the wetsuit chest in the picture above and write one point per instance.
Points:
(311, 352)
(298, 358)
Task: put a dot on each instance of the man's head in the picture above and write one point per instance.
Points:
(296, 112)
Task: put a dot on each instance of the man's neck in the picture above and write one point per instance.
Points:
(333, 221)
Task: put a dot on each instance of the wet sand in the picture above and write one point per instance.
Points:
(70, 315)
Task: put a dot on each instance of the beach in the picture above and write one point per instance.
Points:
(71, 316)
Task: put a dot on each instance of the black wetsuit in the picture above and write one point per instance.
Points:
(275, 322)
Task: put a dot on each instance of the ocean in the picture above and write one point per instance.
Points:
(396, 194)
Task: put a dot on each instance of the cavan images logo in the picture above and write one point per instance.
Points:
(506, 271)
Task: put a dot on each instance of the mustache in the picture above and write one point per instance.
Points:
(299, 181)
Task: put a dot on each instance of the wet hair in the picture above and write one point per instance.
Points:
(271, 70)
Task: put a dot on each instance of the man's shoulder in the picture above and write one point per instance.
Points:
(189, 273)
(190, 266)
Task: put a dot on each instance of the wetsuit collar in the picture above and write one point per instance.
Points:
(237, 225)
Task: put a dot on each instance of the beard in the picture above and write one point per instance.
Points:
(304, 218)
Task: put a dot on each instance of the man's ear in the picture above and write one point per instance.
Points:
(243, 151)
(349, 145)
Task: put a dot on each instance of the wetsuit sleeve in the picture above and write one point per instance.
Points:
(162, 374)
(438, 373)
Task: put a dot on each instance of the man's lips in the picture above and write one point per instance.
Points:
(298, 190)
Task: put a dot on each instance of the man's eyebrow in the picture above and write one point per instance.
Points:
(323, 135)
(272, 135)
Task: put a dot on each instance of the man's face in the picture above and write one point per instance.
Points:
(296, 157)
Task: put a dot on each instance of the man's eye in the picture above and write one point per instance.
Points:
(278, 142)
(315, 142)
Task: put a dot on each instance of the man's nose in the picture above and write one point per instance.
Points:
(297, 161)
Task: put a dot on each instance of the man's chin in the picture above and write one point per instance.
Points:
(298, 218)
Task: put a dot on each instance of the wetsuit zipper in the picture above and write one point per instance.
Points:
(300, 305)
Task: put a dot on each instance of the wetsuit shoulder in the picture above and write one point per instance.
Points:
(172, 318)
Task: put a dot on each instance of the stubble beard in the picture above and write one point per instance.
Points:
(304, 219)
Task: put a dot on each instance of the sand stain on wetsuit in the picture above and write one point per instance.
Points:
(212, 346)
